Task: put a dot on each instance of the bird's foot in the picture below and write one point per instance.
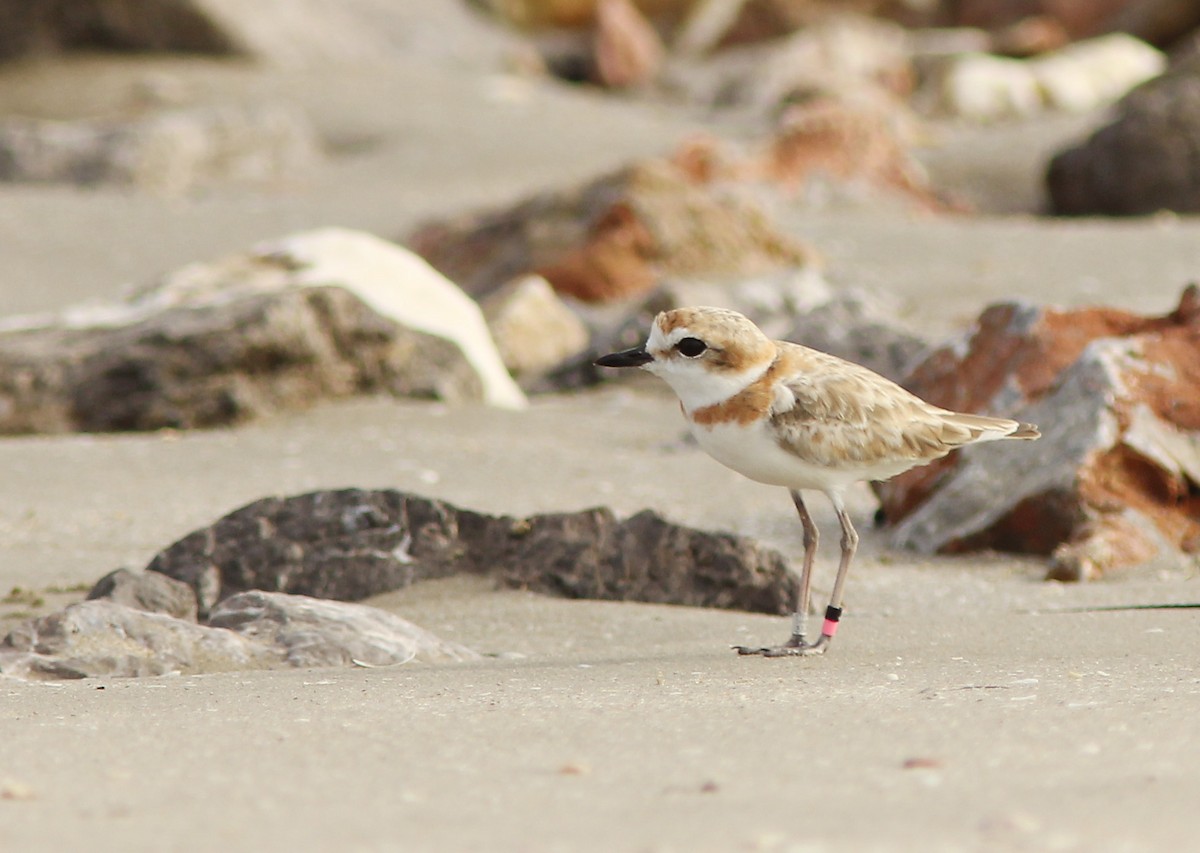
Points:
(793, 647)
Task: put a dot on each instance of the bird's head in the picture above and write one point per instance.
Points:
(705, 354)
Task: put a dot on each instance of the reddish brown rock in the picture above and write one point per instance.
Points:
(849, 144)
(1115, 480)
(855, 147)
(628, 51)
(614, 238)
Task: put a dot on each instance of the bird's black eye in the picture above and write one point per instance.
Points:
(691, 347)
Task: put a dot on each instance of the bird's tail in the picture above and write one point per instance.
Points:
(1025, 431)
(984, 428)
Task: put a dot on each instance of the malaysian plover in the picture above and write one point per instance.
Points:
(787, 415)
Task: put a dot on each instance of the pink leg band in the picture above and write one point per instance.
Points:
(829, 628)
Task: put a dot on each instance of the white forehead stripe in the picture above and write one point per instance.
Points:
(659, 341)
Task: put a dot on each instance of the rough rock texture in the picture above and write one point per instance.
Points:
(343, 545)
(191, 367)
(612, 239)
(591, 554)
(170, 153)
(1114, 480)
(254, 630)
(1143, 161)
(353, 543)
(149, 591)
(104, 638)
(310, 632)
(318, 315)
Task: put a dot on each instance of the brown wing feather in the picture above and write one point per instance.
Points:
(844, 415)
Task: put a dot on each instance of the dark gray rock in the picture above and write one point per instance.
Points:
(150, 591)
(354, 543)
(850, 326)
(307, 631)
(1143, 161)
(345, 545)
(592, 554)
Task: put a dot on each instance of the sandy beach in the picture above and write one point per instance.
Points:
(967, 704)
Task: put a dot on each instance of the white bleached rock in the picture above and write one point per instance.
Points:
(400, 285)
(1092, 73)
(981, 87)
(1079, 77)
(320, 315)
(103, 638)
(306, 631)
(533, 328)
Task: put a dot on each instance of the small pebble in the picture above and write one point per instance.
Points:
(10, 789)
(921, 762)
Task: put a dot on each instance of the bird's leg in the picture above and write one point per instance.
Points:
(833, 613)
(804, 594)
(796, 644)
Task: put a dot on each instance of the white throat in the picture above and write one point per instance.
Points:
(698, 387)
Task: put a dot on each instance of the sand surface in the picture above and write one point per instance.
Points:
(960, 708)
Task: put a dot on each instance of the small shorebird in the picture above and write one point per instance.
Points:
(787, 415)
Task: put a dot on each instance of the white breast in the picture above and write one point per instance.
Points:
(753, 452)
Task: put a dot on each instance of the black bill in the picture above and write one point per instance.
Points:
(635, 357)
